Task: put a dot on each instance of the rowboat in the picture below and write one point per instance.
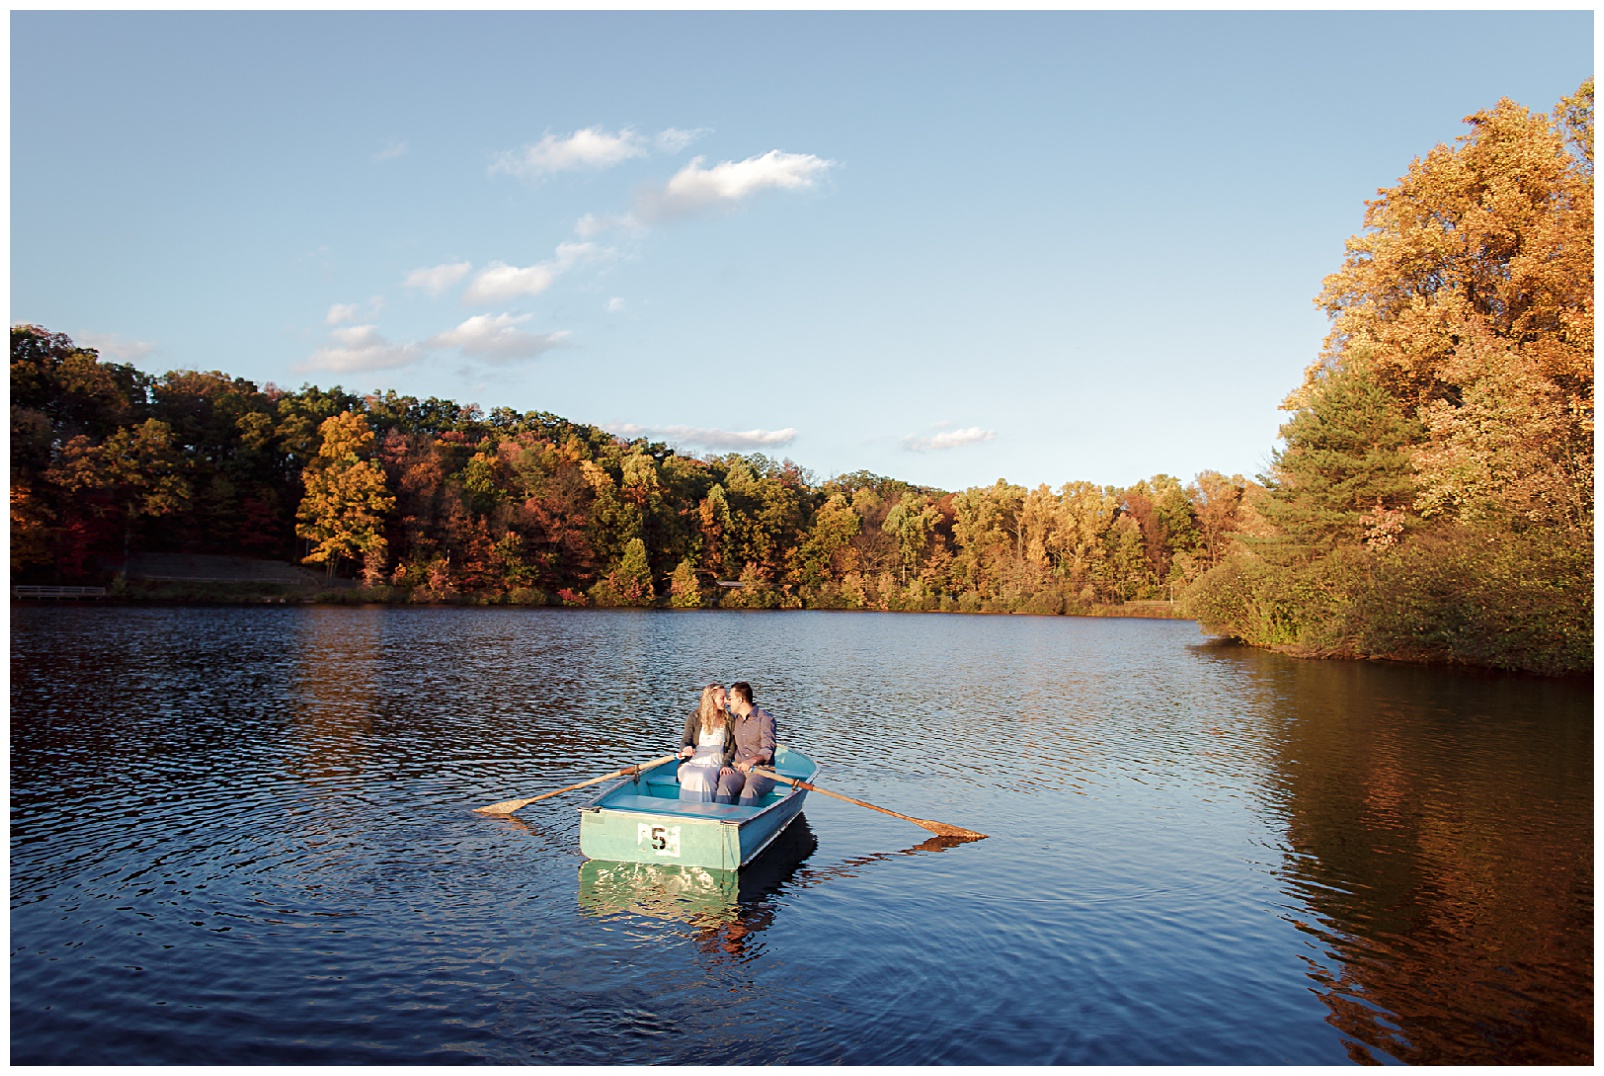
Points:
(642, 820)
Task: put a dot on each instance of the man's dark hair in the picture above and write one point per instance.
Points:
(743, 689)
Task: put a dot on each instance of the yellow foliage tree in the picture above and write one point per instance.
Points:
(1469, 298)
(684, 591)
(1494, 235)
(346, 497)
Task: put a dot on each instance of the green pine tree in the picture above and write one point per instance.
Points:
(1347, 453)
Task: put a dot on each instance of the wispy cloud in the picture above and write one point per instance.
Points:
(499, 281)
(361, 347)
(498, 339)
(435, 279)
(343, 312)
(674, 139)
(392, 149)
(706, 438)
(591, 149)
(972, 435)
(697, 189)
(591, 224)
(115, 347)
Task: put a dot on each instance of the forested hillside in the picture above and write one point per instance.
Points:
(429, 501)
(1434, 496)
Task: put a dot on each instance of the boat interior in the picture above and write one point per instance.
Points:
(649, 791)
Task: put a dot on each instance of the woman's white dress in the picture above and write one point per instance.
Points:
(698, 775)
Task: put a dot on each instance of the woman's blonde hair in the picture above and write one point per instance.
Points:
(710, 715)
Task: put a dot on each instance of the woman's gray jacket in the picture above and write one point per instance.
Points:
(693, 729)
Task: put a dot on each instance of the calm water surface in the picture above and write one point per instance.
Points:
(244, 836)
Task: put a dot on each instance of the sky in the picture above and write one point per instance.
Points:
(946, 247)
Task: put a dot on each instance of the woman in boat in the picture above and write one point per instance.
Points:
(708, 746)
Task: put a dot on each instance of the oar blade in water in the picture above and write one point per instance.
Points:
(941, 829)
(504, 807)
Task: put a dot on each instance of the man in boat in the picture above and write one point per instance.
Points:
(754, 746)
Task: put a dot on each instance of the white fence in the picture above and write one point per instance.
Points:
(58, 592)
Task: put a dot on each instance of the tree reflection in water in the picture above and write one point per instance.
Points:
(1439, 853)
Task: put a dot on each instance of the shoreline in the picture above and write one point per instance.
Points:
(204, 594)
(178, 593)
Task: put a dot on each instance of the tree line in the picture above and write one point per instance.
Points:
(430, 500)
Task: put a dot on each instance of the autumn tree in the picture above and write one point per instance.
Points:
(912, 521)
(136, 473)
(346, 498)
(1434, 498)
(1217, 507)
(629, 583)
(826, 553)
(1469, 300)
(684, 590)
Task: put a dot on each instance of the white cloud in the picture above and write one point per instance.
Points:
(695, 189)
(591, 148)
(392, 149)
(497, 338)
(971, 435)
(115, 347)
(499, 281)
(360, 347)
(437, 278)
(615, 305)
(729, 439)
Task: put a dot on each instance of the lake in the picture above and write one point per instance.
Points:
(245, 836)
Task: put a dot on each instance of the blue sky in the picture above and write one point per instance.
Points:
(946, 247)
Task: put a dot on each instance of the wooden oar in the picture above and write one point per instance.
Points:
(509, 806)
(938, 828)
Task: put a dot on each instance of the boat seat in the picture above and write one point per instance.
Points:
(665, 786)
(661, 805)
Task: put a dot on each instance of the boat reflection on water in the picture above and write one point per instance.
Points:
(726, 907)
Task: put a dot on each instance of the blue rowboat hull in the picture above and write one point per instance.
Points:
(643, 820)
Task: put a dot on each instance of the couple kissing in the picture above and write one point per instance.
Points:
(724, 739)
